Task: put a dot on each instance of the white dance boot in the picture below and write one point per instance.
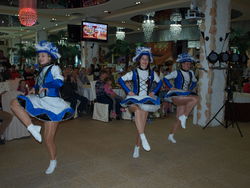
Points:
(52, 167)
(144, 142)
(35, 131)
(183, 120)
(136, 153)
(171, 138)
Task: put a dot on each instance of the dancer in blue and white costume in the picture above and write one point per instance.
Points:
(181, 94)
(43, 101)
(141, 99)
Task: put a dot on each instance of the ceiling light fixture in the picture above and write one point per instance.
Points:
(175, 25)
(148, 26)
(120, 34)
(27, 12)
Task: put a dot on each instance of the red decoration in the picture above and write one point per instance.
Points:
(27, 16)
(27, 12)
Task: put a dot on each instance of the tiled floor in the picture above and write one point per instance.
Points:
(96, 154)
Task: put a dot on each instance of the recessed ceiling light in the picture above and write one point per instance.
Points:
(56, 24)
(105, 11)
(67, 15)
(138, 2)
(2, 21)
(123, 22)
(44, 28)
(138, 29)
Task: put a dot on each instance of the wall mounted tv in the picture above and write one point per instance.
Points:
(92, 31)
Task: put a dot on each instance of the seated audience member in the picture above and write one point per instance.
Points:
(246, 86)
(14, 73)
(95, 68)
(23, 87)
(115, 98)
(4, 67)
(68, 93)
(102, 96)
(83, 76)
(29, 76)
(166, 107)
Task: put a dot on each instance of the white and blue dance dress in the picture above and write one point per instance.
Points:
(184, 82)
(144, 82)
(47, 106)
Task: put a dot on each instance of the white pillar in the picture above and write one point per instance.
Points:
(211, 86)
(12, 44)
(88, 51)
(41, 35)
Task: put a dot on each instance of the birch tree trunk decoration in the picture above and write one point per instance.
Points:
(212, 83)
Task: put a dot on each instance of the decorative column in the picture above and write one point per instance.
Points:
(212, 82)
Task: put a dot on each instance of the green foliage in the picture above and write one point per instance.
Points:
(24, 52)
(30, 52)
(67, 51)
(120, 48)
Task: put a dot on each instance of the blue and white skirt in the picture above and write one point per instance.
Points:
(146, 103)
(175, 93)
(46, 108)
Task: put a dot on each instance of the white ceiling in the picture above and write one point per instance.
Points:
(121, 10)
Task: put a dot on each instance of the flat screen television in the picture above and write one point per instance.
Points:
(96, 32)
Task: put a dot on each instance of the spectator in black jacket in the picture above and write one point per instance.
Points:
(68, 93)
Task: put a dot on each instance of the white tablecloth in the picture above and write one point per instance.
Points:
(9, 85)
(87, 92)
(4, 86)
(241, 97)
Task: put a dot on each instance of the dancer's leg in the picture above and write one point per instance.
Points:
(138, 118)
(188, 101)
(140, 122)
(193, 100)
(26, 120)
(136, 152)
(179, 111)
(20, 112)
(49, 137)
